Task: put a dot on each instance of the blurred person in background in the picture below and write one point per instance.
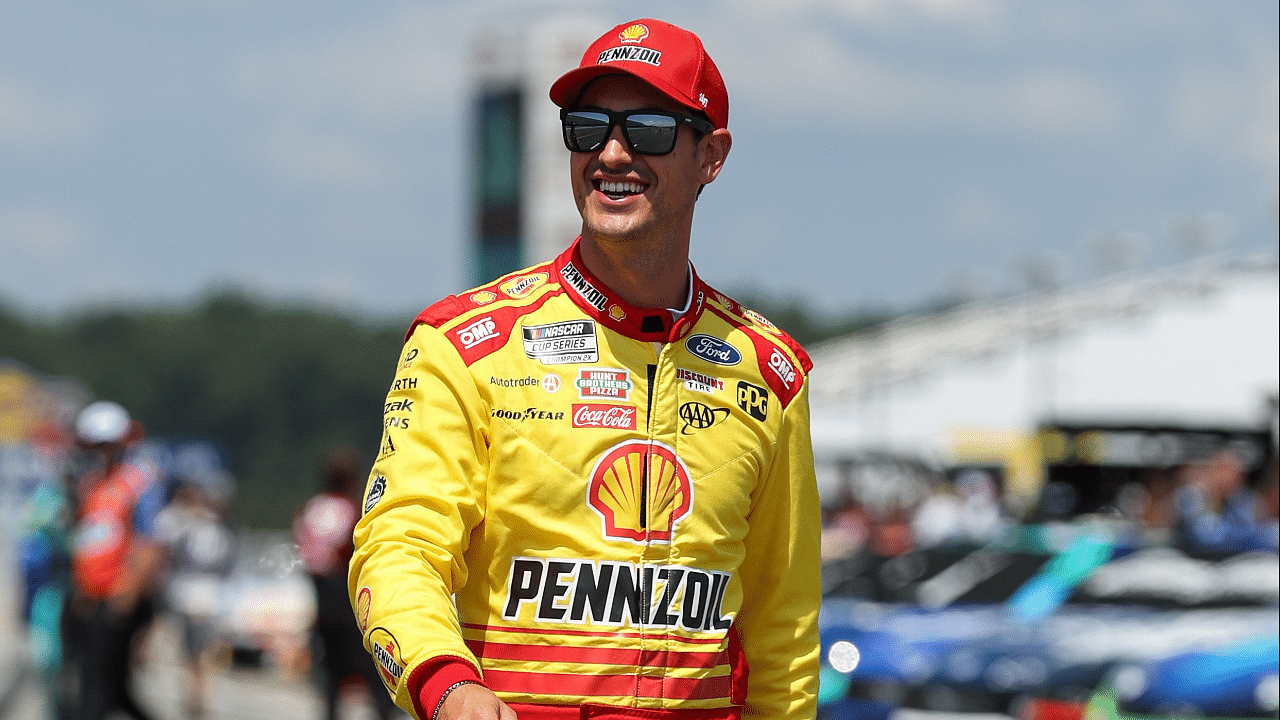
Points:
(201, 552)
(116, 562)
(1216, 511)
(322, 529)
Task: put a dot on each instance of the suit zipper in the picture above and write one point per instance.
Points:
(652, 372)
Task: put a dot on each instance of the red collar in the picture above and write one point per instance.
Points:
(600, 303)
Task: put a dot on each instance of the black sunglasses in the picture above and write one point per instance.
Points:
(648, 132)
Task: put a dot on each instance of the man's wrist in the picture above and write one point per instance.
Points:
(445, 695)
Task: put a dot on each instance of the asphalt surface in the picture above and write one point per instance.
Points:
(234, 693)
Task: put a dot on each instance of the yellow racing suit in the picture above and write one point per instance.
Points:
(593, 509)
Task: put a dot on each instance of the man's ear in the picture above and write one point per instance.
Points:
(713, 150)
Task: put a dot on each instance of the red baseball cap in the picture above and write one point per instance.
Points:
(669, 58)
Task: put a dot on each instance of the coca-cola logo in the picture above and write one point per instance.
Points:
(604, 415)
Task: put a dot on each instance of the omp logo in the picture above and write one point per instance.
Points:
(699, 416)
(386, 651)
(781, 366)
(640, 490)
(618, 594)
(477, 332)
(754, 400)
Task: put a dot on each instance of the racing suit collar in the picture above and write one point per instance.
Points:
(602, 305)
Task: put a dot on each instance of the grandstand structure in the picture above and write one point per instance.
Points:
(1191, 346)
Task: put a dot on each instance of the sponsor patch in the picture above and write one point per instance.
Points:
(699, 382)
(604, 384)
(754, 400)
(527, 414)
(484, 297)
(551, 383)
(573, 341)
(760, 321)
(618, 594)
(387, 448)
(617, 313)
(404, 405)
(477, 332)
(698, 416)
(376, 490)
(364, 599)
(409, 357)
(641, 491)
(526, 381)
(584, 288)
(630, 53)
(604, 415)
(713, 350)
(519, 287)
(405, 383)
(386, 654)
(782, 367)
(634, 33)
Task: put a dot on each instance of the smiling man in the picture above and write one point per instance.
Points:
(595, 494)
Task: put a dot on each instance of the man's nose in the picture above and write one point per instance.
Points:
(616, 151)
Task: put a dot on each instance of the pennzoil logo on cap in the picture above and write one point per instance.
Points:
(634, 33)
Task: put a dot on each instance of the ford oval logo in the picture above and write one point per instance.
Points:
(713, 350)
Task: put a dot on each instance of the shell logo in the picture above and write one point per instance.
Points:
(484, 297)
(617, 313)
(363, 601)
(634, 33)
(640, 490)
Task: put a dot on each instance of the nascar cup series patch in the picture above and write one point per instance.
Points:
(561, 343)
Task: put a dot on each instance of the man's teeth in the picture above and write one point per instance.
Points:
(620, 188)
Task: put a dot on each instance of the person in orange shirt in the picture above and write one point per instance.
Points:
(115, 562)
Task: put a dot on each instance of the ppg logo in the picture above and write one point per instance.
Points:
(754, 400)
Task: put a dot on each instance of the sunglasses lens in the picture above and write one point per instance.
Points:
(585, 131)
(651, 134)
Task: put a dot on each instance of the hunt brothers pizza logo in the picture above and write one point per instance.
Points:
(604, 415)
(604, 384)
(617, 594)
(641, 490)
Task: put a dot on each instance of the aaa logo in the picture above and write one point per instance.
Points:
(640, 490)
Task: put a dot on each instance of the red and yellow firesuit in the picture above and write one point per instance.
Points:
(623, 507)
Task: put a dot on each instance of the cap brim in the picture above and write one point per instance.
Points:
(565, 91)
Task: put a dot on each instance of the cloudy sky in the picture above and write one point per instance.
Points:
(886, 152)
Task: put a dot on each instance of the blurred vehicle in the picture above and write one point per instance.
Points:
(267, 606)
(1153, 630)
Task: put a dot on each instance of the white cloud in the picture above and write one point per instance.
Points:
(29, 117)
